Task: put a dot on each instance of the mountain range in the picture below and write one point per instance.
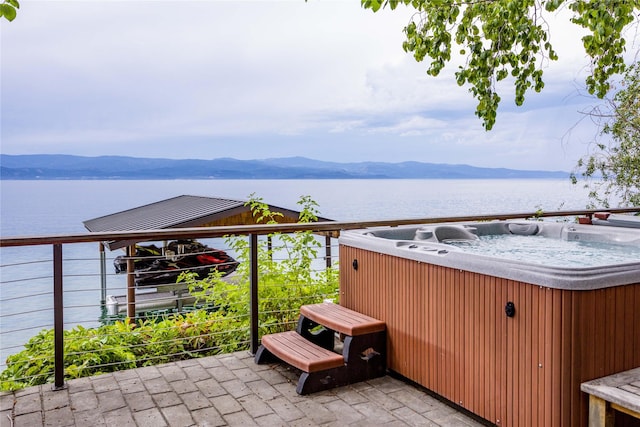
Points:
(62, 166)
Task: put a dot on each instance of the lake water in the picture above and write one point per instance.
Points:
(52, 207)
(30, 208)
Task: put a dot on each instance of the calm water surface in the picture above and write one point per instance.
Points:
(51, 207)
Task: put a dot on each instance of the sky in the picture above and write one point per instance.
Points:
(327, 80)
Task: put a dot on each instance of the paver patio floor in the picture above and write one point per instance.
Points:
(223, 390)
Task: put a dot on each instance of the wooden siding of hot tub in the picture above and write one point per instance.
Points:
(447, 331)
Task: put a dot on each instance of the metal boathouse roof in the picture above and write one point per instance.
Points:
(181, 212)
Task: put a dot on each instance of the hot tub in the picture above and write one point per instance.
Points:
(507, 334)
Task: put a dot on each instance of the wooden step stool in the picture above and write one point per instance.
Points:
(311, 347)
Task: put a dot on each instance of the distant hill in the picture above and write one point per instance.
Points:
(59, 166)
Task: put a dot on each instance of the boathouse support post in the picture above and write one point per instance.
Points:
(131, 284)
(58, 319)
(253, 277)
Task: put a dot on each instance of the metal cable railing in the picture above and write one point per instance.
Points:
(60, 296)
(83, 308)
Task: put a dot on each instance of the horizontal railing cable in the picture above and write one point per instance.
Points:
(26, 279)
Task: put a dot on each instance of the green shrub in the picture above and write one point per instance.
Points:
(287, 278)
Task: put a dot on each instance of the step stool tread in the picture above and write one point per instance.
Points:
(342, 319)
(292, 348)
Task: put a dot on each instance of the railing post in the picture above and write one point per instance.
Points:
(253, 258)
(103, 276)
(327, 248)
(131, 283)
(58, 319)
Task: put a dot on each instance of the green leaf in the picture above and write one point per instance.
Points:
(8, 11)
(372, 4)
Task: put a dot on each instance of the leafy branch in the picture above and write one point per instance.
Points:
(510, 38)
(612, 170)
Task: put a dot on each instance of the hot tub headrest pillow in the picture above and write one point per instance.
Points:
(523, 229)
(453, 232)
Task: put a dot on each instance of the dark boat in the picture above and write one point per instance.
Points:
(154, 266)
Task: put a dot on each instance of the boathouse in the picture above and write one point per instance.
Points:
(177, 212)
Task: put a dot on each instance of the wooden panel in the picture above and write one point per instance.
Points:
(246, 218)
(598, 333)
(566, 357)
(534, 344)
(447, 330)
